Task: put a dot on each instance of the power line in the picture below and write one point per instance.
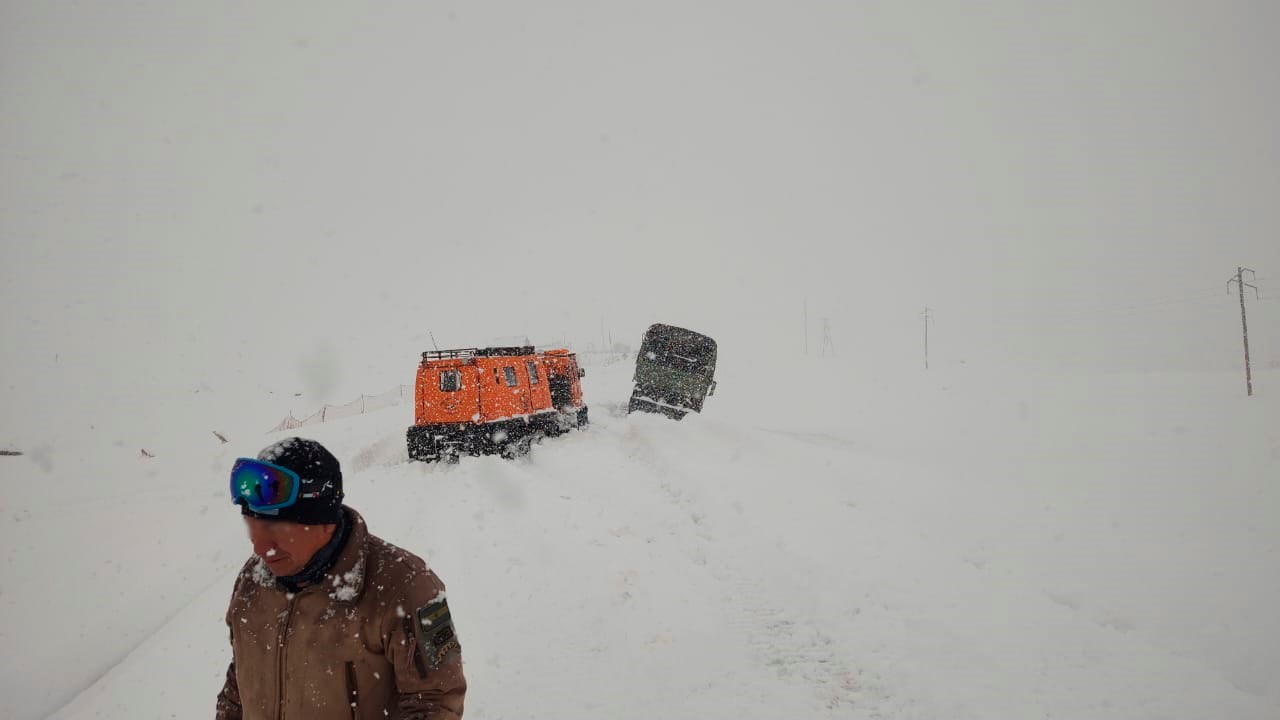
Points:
(1118, 312)
(1067, 313)
(927, 319)
(805, 320)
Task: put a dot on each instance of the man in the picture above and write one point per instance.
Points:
(328, 621)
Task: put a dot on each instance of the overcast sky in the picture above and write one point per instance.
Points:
(1060, 182)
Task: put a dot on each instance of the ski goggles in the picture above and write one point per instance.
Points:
(263, 486)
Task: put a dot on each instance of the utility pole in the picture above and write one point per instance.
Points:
(926, 338)
(1244, 322)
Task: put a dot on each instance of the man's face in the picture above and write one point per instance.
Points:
(286, 547)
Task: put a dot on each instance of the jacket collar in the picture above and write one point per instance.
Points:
(344, 582)
(323, 560)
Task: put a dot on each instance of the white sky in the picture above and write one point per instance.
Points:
(179, 183)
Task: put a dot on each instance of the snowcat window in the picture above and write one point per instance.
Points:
(533, 372)
(510, 374)
(450, 381)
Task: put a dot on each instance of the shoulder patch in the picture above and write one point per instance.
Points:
(436, 637)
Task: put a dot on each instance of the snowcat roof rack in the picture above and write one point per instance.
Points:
(501, 351)
(461, 354)
(468, 353)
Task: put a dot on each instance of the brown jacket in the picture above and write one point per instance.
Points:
(375, 640)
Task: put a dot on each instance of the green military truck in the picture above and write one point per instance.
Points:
(675, 371)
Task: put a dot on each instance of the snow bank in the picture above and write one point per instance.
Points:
(909, 545)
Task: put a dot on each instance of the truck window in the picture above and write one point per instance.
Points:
(533, 372)
(450, 381)
(510, 374)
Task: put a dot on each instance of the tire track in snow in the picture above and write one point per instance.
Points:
(801, 653)
(795, 648)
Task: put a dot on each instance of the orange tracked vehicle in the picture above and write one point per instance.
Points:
(497, 400)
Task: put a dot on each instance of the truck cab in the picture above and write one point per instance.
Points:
(675, 371)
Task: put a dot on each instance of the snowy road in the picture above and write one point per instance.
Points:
(738, 571)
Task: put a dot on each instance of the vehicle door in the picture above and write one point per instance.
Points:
(456, 395)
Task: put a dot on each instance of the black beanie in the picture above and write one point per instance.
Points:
(319, 495)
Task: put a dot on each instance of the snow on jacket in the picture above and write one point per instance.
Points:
(375, 639)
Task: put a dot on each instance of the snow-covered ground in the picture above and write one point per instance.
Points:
(212, 218)
(827, 540)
